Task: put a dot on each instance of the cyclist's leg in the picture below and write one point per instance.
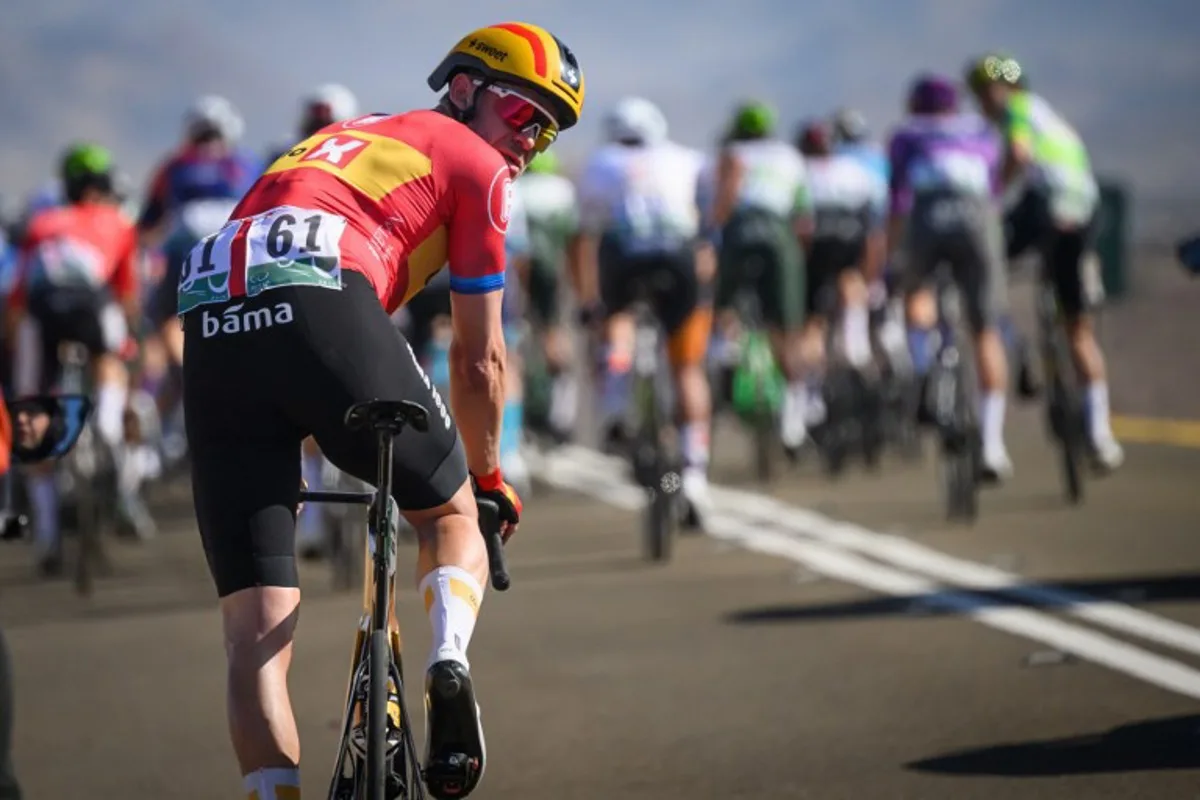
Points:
(686, 313)
(981, 271)
(246, 479)
(918, 256)
(542, 297)
(348, 352)
(784, 297)
(1065, 251)
(617, 272)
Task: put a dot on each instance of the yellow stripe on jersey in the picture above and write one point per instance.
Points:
(425, 260)
(373, 164)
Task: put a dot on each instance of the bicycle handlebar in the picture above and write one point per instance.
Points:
(489, 526)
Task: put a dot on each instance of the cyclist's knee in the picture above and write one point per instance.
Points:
(260, 625)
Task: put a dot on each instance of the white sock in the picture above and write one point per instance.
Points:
(281, 783)
(991, 422)
(110, 413)
(452, 597)
(791, 417)
(43, 499)
(694, 445)
(564, 401)
(1097, 403)
(856, 335)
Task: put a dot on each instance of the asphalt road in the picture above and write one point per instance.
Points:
(825, 640)
(821, 643)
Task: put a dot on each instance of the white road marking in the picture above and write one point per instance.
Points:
(850, 553)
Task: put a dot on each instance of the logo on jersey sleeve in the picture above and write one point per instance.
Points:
(500, 200)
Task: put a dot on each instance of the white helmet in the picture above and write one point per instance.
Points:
(636, 119)
(340, 101)
(214, 113)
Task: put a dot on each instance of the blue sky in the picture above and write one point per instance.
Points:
(1127, 74)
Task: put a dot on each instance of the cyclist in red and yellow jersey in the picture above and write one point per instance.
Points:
(285, 314)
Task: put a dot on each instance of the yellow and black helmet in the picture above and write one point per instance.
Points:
(523, 55)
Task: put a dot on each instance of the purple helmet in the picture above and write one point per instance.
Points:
(933, 94)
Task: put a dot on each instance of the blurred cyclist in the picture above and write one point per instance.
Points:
(852, 137)
(761, 207)
(847, 247)
(76, 276)
(640, 223)
(1056, 214)
(189, 197)
(945, 209)
(551, 212)
(324, 105)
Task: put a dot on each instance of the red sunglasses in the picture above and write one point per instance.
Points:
(524, 115)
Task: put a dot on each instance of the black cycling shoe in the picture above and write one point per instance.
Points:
(454, 749)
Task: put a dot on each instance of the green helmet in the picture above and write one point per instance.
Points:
(86, 166)
(996, 68)
(86, 161)
(544, 163)
(753, 120)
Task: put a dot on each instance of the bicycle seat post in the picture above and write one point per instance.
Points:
(387, 418)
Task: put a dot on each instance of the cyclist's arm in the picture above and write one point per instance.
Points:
(125, 280)
(804, 221)
(151, 223)
(729, 181)
(478, 357)
(1018, 138)
(899, 194)
(17, 301)
(593, 216)
(875, 254)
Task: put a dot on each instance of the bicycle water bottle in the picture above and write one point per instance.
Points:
(758, 384)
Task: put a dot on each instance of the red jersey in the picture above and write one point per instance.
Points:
(92, 244)
(395, 198)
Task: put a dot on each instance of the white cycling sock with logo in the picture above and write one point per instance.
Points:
(452, 597)
(277, 783)
(43, 500)
(1098, 419)
(991, 423)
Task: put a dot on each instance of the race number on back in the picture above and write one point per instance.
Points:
(286, 246)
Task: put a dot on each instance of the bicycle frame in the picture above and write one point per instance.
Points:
(376, 638)
(955, 404)
(1064, 409)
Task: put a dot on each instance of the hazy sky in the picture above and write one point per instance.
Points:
(1126, 73)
